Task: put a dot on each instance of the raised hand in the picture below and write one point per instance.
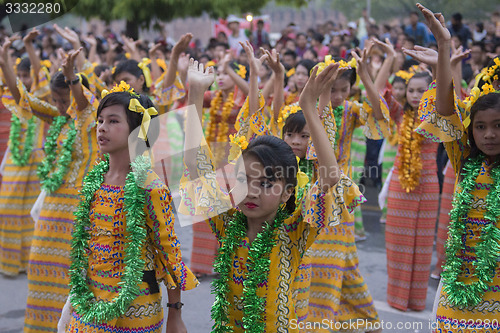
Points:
(458, 54)
(362, 63)
(423, 54)
(90, 40)
(273, 60)
(68, 34)
(183, 64)
(30, 37)
(316, 84)
(68, 64)
(198, 77)
(181, 45)
(436, 23)
(254, 62)
(155, 53)
(387, 47)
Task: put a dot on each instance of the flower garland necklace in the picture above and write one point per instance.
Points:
(487, 250)
(223, 126)
(409, 145)
(82, 299)
(51, 184)
(338, 112)
(258, 271)
(21, 158)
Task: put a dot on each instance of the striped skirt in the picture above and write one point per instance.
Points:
(49, 261)
(444, 210)
(409, 233)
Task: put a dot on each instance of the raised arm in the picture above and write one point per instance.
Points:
(92, 42)
(457, 55)
(273, 59)
(371, 91)
(328, 170)
(238, 80)
(179, 47)
(386, 69)
(424, 55)
(199, 80)
(130, 46)
(7, 69)
(73, 80)
(72, 37)
(255, 63)
(444, 86)
(34, 58)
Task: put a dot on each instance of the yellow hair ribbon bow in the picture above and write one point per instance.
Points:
(161, 63)
(210, 63)
(46, 63)
(18, 61)
(290, 72)
(302, 178)
(145, 71)
(136, 106)
(242, 71)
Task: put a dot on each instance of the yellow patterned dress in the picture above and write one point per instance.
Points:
(317, 210)
(161, 254)
(48, 279)
(19, 191)
(482, 318)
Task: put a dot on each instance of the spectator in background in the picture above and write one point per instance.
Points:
(417, 30)
(352, 38)
(310, 54)
(317, 45)
(363, 23)
(479, 32)
(457, 28)
(290, 58)
(237, 35)
(260, 36)
(301, 42)
(476, 62)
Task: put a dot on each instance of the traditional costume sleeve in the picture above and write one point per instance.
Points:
(374, 128)
(254, 125)
(321, 209)
(160, 220)
(165, 97)
(29, 104)
(447, 129)
(96, 85)
(41, 89)
(328, 120)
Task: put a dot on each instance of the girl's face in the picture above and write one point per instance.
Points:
(415, 90)
(300, 77)
(399, 91)
(486, 132)
(298, 141)
(25, 78)
(137, 83)
(224, 81)
(340, 92)
(264, 196)
(61, 99)
(113, 129)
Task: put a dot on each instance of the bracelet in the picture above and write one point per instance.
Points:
(177, 305)
(73, 82)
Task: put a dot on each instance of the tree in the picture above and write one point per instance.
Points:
(141, 13)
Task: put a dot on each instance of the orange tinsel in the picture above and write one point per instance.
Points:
(410, 145)
(218, 133)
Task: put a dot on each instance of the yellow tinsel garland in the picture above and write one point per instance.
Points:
(410, 157)
(216, 133)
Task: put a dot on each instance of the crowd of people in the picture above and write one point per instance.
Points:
(86, 213)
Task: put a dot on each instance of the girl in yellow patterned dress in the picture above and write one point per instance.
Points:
(470, 130)
(20, 184)
(124, 242)
(70, 150)
(258, 259)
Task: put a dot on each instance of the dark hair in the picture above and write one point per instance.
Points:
(319, 37)
(24, 65)
(398, 79)
(308, 64)
(134, 119)
(291, 53)
(130, 66)
(408, 63)
(489, 101)
(224, 45)
(457, 17)
(278, 160)
(294, 123)
(58, 81)
(313, 51)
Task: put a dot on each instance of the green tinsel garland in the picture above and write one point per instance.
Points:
(338, 112)
(51, 184)
(82, 299)
(487, 251)
(258, 271)
(21, 158)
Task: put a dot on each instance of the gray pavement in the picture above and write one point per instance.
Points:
(196, 311)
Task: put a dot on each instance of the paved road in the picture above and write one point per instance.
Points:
(196, 313)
